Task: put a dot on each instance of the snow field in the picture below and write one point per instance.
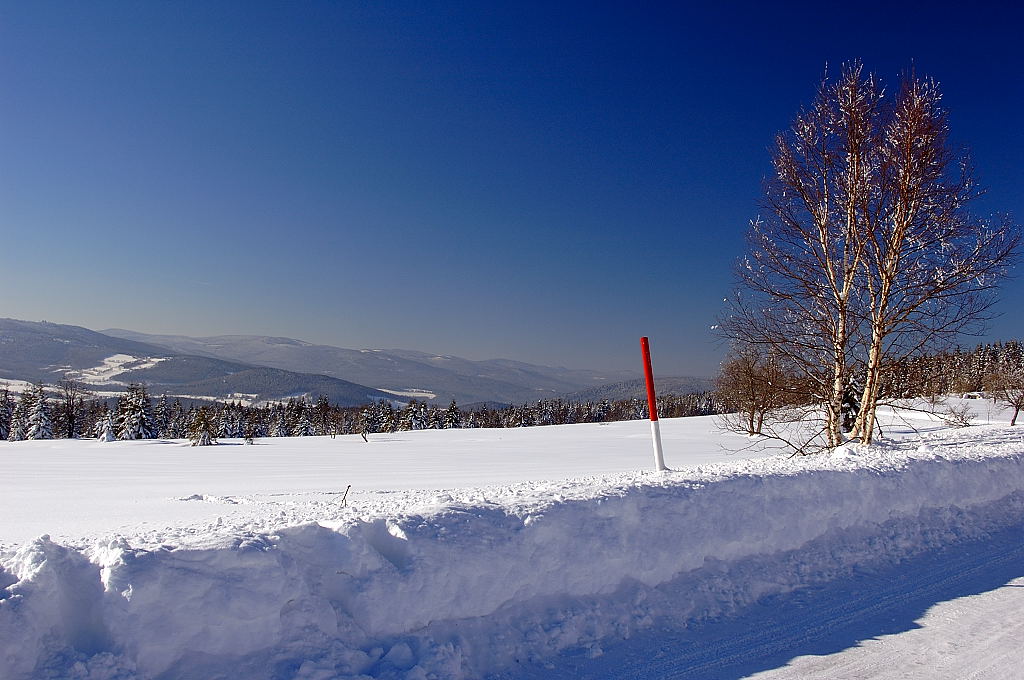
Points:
(475, 581)
(77, 490)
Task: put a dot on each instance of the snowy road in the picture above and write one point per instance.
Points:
(955, 613)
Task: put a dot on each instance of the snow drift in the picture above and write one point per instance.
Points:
(466, 584)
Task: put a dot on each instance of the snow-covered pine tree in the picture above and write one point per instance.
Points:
(303, 428)
(38, 424)
(543, 412)
(384, 414)
(97, 426)
(161, 417)
(255, 424)
(322, 416)
(226, 424)
(203, 428)
(452, 417)
(135, 418)
(105, 428)
(6, 408)
(367, 422)
(19, 417)
(408, 419)
(279, 425)
(177, 422)
(17, 432)
(434, 418)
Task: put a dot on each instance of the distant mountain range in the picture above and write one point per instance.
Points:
(262, 368)
(34, 351)
(403, 373)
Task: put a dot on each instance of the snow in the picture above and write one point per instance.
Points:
(413, 392)
(114, 486)
(954, 639)
(16, 386)
(465, 553)
(111, 367)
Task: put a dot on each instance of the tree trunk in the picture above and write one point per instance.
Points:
(864, 428)
(834, 415)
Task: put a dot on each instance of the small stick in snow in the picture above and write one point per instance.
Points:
(344, 499)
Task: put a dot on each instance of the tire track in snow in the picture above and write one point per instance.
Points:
(819, 623)
(756, 640)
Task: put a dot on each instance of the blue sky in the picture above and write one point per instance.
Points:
(538, 181)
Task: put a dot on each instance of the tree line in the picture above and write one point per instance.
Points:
(754, 389)
(69, 410)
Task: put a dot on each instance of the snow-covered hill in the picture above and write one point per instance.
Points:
(458, 554)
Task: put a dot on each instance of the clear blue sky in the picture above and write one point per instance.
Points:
(538, 181)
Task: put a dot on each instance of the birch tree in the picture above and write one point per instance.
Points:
(867, 254)
(797, 290)
(930, 267)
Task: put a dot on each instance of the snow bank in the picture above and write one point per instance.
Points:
(464, 584)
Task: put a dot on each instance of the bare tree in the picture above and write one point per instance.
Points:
(71, 404)
(866, 254)
(751, 385)
(1006, 386)
(798, 287)
(930, 268)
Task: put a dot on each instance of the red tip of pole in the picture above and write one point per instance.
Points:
(652, 402)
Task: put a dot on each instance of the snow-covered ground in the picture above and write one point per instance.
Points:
(74, 490)
(513, 553)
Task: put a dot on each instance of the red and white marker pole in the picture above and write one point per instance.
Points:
(652, 405)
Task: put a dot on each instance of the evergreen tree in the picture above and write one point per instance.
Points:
(177, 422)
(135, 419)
(303, 428)
(162, 417)
(202, 432)
(229, 423)
(19, 417)
(279, 425)
(452, 417)
(410, 418)
(384, 415)
(6, 408)
(105, 428)
(367, 422)
(322, 416)
(38, 424)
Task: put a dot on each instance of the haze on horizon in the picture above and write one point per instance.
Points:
(533, 182)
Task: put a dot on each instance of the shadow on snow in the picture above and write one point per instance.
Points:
(815, 620)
